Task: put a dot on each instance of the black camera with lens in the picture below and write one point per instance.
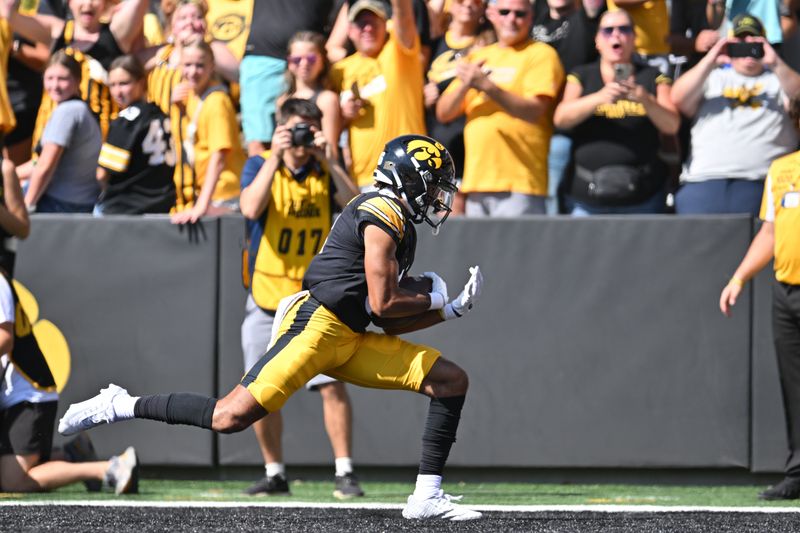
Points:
(302, 134)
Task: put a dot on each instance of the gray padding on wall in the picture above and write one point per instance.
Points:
(597, 343)
(135, 298)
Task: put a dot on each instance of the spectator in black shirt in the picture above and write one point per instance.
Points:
(569, 27)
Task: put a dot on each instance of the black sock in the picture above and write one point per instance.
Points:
(440, 433)
(177, 408)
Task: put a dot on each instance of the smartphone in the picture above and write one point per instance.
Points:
(746, 49)
(622, 71)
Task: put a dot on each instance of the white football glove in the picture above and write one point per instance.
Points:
(466, 300)
(438, 290)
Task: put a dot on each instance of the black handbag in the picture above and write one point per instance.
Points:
(615, 184)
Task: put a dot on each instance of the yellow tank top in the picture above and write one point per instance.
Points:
(296, 224)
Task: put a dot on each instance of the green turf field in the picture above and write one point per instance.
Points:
(474, 493)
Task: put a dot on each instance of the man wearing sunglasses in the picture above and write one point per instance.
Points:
(507, 92)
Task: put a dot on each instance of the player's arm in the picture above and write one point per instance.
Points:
(386, 298)
(255, 196)
(43, 172)
(757, 257)
(404, 25)
(127, 22)
(13, 214)
(7, 337)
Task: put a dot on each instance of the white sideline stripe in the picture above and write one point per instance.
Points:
(493, 508)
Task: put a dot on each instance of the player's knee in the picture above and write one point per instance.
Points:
(335, 392)
(459, 380)
(228, 420)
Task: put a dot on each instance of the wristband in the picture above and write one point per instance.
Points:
(449, 312)
(736, 281)
(437, 301)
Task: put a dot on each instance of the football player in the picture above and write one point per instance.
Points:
(322, 329)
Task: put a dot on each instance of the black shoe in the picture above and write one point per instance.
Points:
(81, 450)
(271, 486)
(788, 489)
(347, 487)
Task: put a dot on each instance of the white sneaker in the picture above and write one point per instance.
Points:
(438, 507)
(92, 412)
(122, 474)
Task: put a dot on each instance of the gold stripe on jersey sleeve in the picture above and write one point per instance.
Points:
(114, 158)
(387, 212)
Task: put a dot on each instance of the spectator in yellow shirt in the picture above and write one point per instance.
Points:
(210, 157)
(507, 91)
(381, 85)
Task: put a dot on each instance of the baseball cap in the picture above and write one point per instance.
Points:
(746, 24)
(376, 6)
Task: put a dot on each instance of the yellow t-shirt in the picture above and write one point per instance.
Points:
(503, 153)
(153, 32)
(781, 205)
(651, 22)
(7, 120)
(391, 85)
(217, 129)
(229, 22)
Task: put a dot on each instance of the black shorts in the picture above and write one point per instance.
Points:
(27, 428)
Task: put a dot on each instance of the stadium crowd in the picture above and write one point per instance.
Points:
(552, 107)
(198, 108)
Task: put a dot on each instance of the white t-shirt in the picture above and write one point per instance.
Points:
(16, 389)
(740, 127)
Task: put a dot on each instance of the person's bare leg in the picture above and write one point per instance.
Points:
(269, 431)
(236, 411)
(338, 415)
(256, 148)
(22, 473)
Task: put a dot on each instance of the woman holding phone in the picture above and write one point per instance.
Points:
(615, 111)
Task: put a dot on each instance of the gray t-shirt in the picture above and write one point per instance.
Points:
(73, 127)
(740, 127)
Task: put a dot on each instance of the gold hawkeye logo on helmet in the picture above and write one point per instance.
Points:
(423, 150)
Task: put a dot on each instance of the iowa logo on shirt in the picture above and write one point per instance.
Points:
(744, 96)
(423, 150)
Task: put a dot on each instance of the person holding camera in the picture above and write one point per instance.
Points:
(616, 110)
(737, 98)
(288, 196)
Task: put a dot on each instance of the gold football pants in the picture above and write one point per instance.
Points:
(311, 340)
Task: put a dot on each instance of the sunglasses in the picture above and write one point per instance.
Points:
(518, 13)
(296, 60)
(607, 31)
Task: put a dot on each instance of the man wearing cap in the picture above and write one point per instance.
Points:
(380, 85)
(737, 97)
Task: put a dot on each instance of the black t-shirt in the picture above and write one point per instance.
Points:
(572, 36)
(276, 21)
(25, 84)
(619, 133)
(139, 160)
(336, 275)
(442, 69)
(688, 18)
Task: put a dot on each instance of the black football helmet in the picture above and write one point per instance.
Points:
(420, 170)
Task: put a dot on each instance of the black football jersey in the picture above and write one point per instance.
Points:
(140, 160)
(336, 275)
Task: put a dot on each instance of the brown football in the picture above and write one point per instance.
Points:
(420, 284)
